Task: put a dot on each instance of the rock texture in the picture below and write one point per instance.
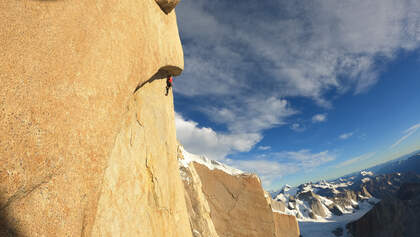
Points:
(314, 203)
(277, 206)
(392, 217)
(286, 225)
(167, 5)
(237, 203)
(198, 207)
(226, 202)
(82, 151)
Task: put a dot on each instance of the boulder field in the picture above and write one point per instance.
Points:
(87, 136)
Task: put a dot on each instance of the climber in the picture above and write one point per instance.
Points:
(169, 80)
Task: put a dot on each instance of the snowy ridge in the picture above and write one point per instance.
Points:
(324, 206)
(211, 164)
(366, 173)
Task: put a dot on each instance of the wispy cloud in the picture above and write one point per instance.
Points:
(297, 127)
(319, 118)
(264, 148)
(356, 159)
(232, 63)
(408, 133)
(242, 67)
(345, 136)
(267, 170)
(274, 165)
(332, 47)
(260, 114)
(305, 158)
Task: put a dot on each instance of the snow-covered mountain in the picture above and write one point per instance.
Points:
(323, 200)
(325, 207)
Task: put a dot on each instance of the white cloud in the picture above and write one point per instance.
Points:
(319, 118)
(245, 127)
(268, 171)
(297, 127)
(264, 148)
(269, 166)
(345, 136)
(206, 141)
(305, 158)
(247, 64)
(356, 159)
(273, 166)
(408, 133)
(258, 114)
(306, 49)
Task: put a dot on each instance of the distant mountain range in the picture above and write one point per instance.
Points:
(325, 207)
(407, 163)
(394, 216)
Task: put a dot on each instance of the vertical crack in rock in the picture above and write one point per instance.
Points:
(155, 187)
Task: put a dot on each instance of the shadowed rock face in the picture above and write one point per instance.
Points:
(314, 203)
(387, 185)
(392, 217)
(167, 5)
(80, 154)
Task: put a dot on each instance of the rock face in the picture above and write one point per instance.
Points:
(87, 137)
(198, 207)
(237, 203)
(223, 202)
(387, 185)
(277, 206)
(314, 203)
(167, 5)
(286, 225)
(392, 217)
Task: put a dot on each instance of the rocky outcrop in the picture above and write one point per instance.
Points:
(167, 5)
(286, 225)
(387, 185)
(392, 217)
(237, 203)
(277, 206)
(314, 203)
(198, 207)
(87, 137)
(225, 202)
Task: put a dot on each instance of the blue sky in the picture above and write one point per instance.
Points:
(299, 90)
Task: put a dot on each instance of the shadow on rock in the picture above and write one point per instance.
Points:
(6, 227)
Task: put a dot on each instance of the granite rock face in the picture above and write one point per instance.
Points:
(237, 203)
(87, 136)
(286, 225)
(223, 201)
(198, 207)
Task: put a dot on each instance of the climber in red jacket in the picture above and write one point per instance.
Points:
(169, 80)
